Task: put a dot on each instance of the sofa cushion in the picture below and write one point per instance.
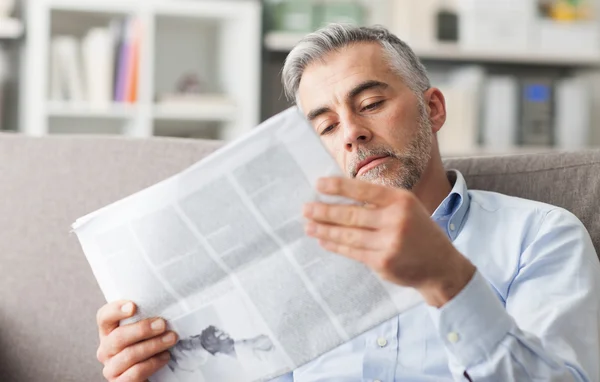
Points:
(48, 294)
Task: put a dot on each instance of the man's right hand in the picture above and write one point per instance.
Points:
(131, 352)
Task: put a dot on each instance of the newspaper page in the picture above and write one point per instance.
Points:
(219, 251)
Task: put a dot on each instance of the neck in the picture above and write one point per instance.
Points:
(433, 187)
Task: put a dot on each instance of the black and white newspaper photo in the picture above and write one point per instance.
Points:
(223, 341)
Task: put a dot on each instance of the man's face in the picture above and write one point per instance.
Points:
(376, 127)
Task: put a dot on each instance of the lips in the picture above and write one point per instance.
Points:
(370, 163)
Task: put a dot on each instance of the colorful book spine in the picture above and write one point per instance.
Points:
(133, 67)
(124, 58)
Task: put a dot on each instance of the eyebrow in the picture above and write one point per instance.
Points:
(367, 85)
(355, 92)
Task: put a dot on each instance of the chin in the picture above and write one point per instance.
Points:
(385, 176)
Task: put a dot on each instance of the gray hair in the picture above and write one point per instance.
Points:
(336, 36)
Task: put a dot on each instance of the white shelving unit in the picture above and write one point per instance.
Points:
(218, 40)
(10, 28)
(284, 42)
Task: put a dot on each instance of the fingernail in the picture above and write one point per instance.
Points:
(310, 228)
(157, 325)
(168, 338)
(127, 308)
(165, 356)
(308, 210)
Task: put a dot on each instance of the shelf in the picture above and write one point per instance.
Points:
(209, 110)
(10, 28)
(203, 9)
(84, 110)
(284, 42)
(108, 6)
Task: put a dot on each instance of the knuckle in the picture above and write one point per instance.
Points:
(141, 329)
(130, 356)
(322, 211)
(336, 184)
(351, 238)
(362, 193)
(107, 373)
(100, 354)
(352, 216)
(323, 231)
(149, 348)
(116, 340)
(333, 233)
(133, 374)
(329, 246)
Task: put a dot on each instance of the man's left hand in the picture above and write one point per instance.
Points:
(393, 234)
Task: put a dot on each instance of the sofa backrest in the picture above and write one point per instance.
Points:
(48, 295)
(570, 180)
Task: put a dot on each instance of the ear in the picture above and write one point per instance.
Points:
(436, 108)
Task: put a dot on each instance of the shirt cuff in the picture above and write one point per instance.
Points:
(473, 323)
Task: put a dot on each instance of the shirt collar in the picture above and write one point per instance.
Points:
(451, 213)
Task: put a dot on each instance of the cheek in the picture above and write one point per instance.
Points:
(335, 146)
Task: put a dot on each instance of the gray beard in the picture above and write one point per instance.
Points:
(412, 162)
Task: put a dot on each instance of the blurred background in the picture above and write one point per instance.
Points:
(518, 75)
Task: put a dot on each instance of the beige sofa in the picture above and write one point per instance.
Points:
(48, 295)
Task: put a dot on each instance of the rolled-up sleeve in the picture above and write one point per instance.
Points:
(548, 329)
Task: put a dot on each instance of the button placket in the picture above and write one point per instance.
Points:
(381, 355)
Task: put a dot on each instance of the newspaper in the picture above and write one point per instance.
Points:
(219, 251)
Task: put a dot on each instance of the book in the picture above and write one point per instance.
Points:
(500, 105)
(123, 62)
(116, 28)
(98, 66)
(68, 64)
(57, 80)
(131, 82)
(572, 120)
(537, 112)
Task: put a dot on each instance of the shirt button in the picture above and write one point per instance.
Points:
(382, 342)
(377, 380)
(452, 227)
(453, 337)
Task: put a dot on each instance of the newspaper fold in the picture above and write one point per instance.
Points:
(219, 251)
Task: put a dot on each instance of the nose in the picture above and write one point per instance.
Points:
(355, 133)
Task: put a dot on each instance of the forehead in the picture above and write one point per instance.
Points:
(341, 69)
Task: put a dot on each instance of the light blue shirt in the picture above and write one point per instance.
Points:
(530, 313)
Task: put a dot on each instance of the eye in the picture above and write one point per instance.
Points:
(328, 129)
(372, 106)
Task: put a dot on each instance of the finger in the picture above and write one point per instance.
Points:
(144, 370)
(359, 238)
(358, 190)
(131, 334)
(361, 255)
(138, 353)
(109, 315)
(341, 214)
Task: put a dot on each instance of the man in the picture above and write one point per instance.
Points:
(510, 286)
